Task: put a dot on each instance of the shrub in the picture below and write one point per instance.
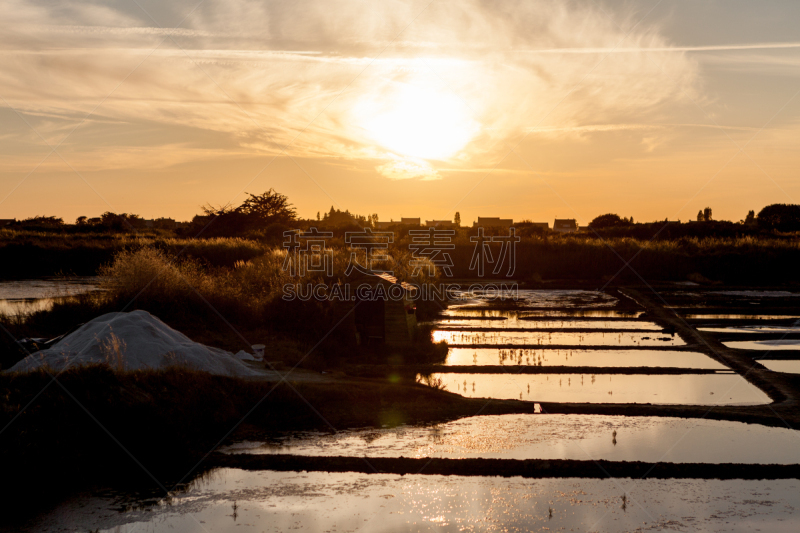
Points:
(608, 221)
(780, 217)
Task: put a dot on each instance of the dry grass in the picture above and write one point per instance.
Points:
(743, 259)
(28, 253)
(150, 273)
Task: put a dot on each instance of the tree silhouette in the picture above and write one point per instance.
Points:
(256, 213)
(609, 220)
(268, 208)
(781, 217)
(340, 219)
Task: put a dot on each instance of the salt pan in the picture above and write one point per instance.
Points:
(133, 341)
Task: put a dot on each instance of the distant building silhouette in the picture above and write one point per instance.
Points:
(565, 225)
(447, 224)
(493, 222)
(7, 221)
(163, 223)
(402, 222)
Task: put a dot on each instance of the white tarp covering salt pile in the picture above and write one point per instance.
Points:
(133, 341)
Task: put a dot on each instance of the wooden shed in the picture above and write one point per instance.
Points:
(382, 311)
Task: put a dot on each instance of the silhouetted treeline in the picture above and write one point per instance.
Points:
(746, 260)
(666, 230)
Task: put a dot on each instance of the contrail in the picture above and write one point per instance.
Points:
(710, 48)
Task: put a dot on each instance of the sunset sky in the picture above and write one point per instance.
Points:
(521, 109)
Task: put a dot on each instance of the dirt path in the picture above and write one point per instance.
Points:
(280, 372)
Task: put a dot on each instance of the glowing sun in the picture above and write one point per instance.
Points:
(419, 123)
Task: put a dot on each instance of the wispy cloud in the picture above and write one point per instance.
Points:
(259, 74)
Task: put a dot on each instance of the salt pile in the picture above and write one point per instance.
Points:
(133, 341)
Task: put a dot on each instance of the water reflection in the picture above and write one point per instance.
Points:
(561, 313)
(746, 294)
(598, 358)
(765, 345)
(604, 338)
(693, 389)
(526, 323)
(25, 306)
(754, 329)
(317, 502)
(739, 316)
(787, 366)
(536, 298)
(20, 297)
(579, 437)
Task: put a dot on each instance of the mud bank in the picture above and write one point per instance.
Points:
(528, 468)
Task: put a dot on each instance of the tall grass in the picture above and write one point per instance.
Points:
(150, 277)
(741, 260)
(217, 251)
(33, 254)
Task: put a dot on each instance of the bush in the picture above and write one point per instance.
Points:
(780, 217)
(274, 232)
(608, 221)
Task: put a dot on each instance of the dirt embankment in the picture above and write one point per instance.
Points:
(527, 468)
(782, 388)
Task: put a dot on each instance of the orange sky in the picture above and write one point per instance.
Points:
(528, 110)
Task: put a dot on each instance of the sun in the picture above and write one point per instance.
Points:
(419, 123)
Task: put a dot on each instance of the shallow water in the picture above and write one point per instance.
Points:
(25, 306)
(756, 294)
(26, 296)
(548, 324)
(579, 437)
(745, 298)
(754, 329)
(576, 313)
(455, 337)
(46, 288)
(738, 317)
(600, 358)
(536, 298)
(230, 499)
(732, 294)
(691, 389)
(791, 366)
(765, 345)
